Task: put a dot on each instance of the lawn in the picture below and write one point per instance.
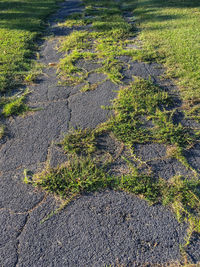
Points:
(21, 23)
(170, 32)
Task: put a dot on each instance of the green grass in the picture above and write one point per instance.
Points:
(144, 102)
(15, 106)
(170, 33)
(75, 19)
(82, 174)
(80, 141)
(21, 22)
(77, 176)
(2, 131)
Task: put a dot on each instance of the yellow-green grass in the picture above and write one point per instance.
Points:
(1, 131)
(105, 40)
(170, 33)
(21, 22)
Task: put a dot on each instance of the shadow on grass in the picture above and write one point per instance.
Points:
(172, 3)
(24, 15)
(148, 9)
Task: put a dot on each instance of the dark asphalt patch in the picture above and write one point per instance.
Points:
(47, 89)
(150, 151)
(193, 157)
(193, 249)
(86, 111)
(168, 168)
(33, 135)
(99, 229)
(17, 196)
(10, 227)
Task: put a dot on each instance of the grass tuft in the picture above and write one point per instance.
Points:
(142, 103)
(80, 141)
(15, 107)
(2, 130)
(77, 176)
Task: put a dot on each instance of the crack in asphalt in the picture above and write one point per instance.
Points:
(18, 236)
(70, 113)
(25, 223)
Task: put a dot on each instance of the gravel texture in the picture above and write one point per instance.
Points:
(100, 229)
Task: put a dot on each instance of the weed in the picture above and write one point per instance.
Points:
(70, 73)
(141, 184)
(27, 176)
(32, 75)
(167, 132)
(89, 87)
(184, 197)
(75, 19)
(140, 99)
(15, 106)
(2, 130)
(77, 176)
(80, 141)
(76, 40)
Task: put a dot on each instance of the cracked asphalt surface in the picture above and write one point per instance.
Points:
(96, 229)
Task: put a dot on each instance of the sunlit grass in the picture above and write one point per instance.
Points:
(21, 23)
(170, 32)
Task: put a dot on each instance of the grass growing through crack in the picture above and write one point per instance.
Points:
(75, 19)
(104, 38)
(143, 102)
(82, 174)
(80, 141)
(74, 74)
(79, 175)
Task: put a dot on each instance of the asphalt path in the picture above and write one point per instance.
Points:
(99, 229)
